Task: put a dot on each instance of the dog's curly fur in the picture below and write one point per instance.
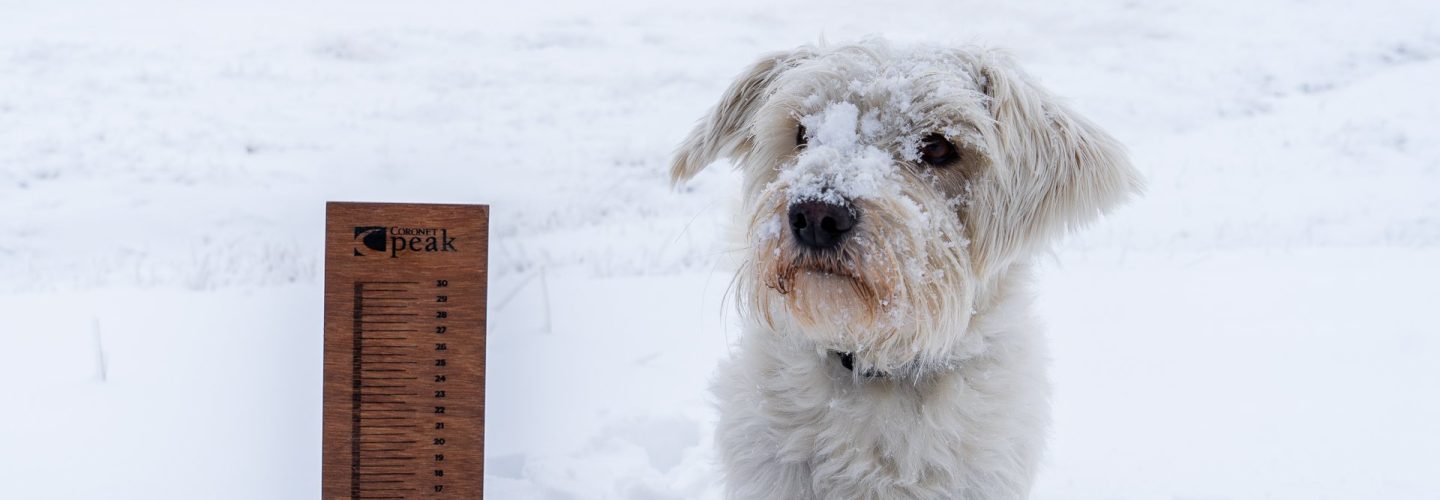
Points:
(927, 297)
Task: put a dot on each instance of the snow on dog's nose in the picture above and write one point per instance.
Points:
(838, 166)
(836, 170)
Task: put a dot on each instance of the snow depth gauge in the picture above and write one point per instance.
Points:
(404, 351)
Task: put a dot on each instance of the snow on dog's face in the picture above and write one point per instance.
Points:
(886, 189)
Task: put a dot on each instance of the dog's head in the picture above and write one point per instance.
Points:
(887, 189)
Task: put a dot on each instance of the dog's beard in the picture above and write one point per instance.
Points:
(825, 291)
(895, 292)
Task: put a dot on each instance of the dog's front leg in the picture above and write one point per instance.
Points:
(756, 478)
(753, 433)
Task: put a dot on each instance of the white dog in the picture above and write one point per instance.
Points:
(894, 198)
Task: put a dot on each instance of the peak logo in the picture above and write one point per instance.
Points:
(397, 240)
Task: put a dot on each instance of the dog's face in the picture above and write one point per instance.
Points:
(887, 189)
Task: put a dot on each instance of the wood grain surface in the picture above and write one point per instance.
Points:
(404, 351)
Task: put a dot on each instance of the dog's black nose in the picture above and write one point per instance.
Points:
(820, 225)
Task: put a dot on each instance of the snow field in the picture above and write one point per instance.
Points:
(1259, 325)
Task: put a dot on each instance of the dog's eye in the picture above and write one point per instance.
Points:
(936, 151)
(800, 137)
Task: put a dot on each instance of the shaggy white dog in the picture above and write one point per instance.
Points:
(894, 198)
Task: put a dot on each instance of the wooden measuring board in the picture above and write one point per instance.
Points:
(404, 351)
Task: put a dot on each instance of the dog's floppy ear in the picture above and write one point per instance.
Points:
(725, 131)
(1062, 170)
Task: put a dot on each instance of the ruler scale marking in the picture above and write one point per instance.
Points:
(357, 387)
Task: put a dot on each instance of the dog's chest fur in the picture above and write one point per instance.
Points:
(795, 424)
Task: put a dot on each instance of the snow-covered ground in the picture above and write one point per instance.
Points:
(1261, 325)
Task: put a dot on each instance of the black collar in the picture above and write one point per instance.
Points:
(847, 360)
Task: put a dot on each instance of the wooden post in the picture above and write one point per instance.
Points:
(404, 351)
